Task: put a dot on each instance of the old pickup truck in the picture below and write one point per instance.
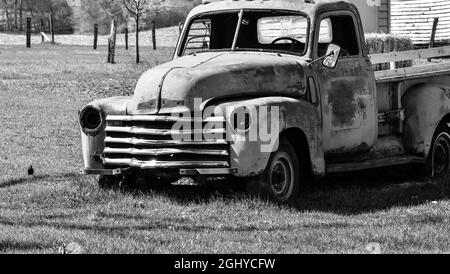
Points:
(272, 92)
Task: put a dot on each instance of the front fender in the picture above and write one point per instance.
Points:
(425, 106)
(94, 145)
(249, 157)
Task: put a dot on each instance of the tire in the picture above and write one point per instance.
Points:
(438, 162)
(280, 181)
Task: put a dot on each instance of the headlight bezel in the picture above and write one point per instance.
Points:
(93, 124)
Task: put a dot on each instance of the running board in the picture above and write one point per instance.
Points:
(369, 164)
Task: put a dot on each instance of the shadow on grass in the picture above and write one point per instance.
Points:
(10, 245)
(33, 179)
(122, 230)
(20, 181)
(346, 193)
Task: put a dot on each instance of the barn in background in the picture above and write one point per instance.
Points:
(412, 18)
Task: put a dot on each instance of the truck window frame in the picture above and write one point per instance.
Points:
(184, 34)
(337, 13)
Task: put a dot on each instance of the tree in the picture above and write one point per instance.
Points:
(15, 14)
(136, 8)
(21, 15)
(6, 7)
(101, 12)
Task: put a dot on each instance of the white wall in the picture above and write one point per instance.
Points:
(369, 14)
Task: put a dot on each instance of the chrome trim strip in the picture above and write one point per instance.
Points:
(208, 171)
(162, 164)
(155, 118)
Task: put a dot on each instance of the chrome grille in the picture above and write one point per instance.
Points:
(148, 142)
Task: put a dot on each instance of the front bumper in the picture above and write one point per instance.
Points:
(181, 172)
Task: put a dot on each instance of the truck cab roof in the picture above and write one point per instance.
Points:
(310, 7)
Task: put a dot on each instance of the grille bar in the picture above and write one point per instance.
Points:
(160, 143)
(164, 151)
(163, 132)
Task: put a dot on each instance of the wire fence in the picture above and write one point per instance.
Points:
(166, 39)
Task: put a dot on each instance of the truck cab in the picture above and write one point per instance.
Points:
(273, 92)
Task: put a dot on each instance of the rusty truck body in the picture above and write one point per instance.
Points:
(306, 61)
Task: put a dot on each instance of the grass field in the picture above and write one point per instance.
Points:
(41, 91)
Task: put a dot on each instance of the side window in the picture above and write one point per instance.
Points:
(199, 37)
(339, 30)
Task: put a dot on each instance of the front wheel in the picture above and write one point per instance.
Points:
(280, 180)
(438, 162)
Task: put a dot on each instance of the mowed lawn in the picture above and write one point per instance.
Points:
(41, 91)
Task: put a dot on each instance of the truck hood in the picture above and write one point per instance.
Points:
(183, 84)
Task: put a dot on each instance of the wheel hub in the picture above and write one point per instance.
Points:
(281, 176)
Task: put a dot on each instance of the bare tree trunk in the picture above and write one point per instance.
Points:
(21, 15)
(8, 24)
(32, 16)
(137, 39)
(15, 14)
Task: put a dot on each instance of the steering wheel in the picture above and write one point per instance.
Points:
(293, 40)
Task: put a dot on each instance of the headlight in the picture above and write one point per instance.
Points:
(241, 119)
(91, 120)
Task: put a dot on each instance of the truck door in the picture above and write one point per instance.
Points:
(348, 90)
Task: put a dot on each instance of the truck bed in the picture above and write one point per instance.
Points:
(411, 73)
(391, 85)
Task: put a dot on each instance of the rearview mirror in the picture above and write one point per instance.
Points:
(332, 56)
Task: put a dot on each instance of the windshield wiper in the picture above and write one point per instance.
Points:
(238, 28)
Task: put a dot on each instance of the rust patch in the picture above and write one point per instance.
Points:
(342, 101)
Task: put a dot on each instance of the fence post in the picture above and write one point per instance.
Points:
(112, 43)
(95, 36)
(433, 31)
(52, 29)
(433, 34)
(154, 34)
(126, 38)
(180, 27)
(28, 32)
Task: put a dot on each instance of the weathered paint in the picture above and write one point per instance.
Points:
(349, 109)
(425, 106)
(94, 145)
(246, 155)
(177, 84)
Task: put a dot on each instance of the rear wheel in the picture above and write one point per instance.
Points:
(280, 180)
(438, 162)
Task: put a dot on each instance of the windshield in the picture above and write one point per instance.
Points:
(247, 30)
